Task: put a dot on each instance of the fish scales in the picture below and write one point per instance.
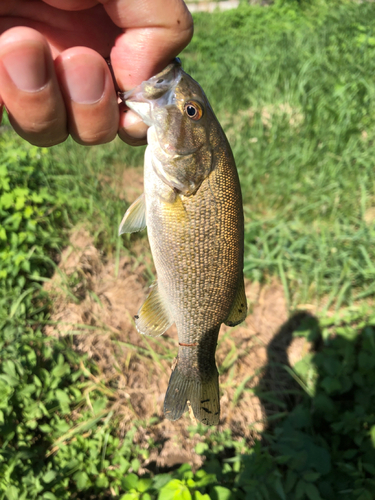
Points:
(194, 216)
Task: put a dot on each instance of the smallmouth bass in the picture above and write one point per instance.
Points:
(192, 206)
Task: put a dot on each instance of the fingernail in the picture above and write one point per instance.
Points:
(85, 80)
(27, 67)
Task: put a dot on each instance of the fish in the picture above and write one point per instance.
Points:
(192, 207)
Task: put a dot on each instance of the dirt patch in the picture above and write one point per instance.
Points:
(96, 301)
(132, 182)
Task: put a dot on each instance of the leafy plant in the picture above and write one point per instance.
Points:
(56, 434)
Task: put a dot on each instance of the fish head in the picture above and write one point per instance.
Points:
(181, 120)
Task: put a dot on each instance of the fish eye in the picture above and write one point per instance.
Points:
(160, 80)
(194, 110)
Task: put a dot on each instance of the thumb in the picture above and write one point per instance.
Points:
(154, 32)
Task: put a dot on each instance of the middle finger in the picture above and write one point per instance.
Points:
(89, 95)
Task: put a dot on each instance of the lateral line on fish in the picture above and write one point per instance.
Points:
(187, 345)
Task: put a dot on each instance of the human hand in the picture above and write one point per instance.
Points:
(54, 80)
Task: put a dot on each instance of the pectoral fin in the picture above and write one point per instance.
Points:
(153, 318)
(135, 217)
(239, 309)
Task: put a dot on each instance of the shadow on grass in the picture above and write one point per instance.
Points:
(320, 413)
(277, 389)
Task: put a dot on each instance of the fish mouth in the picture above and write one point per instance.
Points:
(158, 90)
(157, 84)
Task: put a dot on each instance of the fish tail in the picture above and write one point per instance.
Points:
(203, 396)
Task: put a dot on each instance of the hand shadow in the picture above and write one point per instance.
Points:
(319, 439)
(278, 390)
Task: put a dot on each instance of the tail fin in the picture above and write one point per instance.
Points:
(203, 396)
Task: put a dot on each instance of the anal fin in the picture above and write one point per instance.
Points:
(238, 311)
(135, 217)
(153, 318)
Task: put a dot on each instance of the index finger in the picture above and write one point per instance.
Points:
(155, 31)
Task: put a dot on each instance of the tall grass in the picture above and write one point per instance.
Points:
(93, 177)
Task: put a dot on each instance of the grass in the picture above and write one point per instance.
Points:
(293, 89)
(91, 176)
